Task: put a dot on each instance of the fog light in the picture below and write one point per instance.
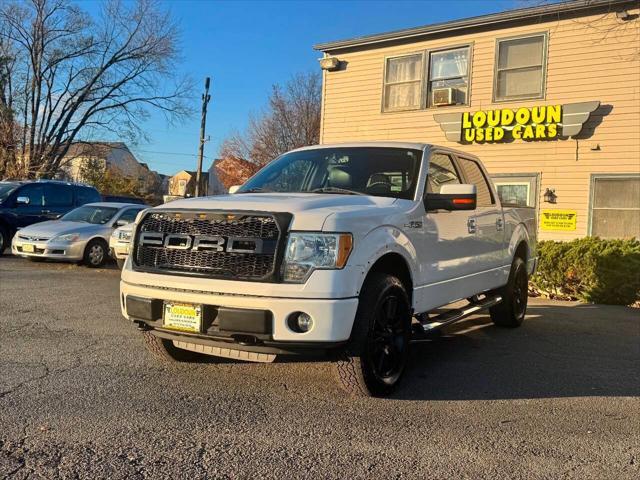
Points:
(305, 322)
(300, 322)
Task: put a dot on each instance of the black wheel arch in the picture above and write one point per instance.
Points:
(395, 264)
(7, 227)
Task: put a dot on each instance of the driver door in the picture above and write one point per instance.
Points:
(447, 246)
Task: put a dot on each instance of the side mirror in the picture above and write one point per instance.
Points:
(121, 223)
(23, 201)
(452, 197)
(234, 188)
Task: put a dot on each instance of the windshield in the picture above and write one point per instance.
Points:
(6, 188)
(377, 171)
(90, 214)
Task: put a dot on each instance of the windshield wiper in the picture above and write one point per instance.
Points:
(256, 190)
(342, 191)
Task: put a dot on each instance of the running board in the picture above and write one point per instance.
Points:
(451, 316)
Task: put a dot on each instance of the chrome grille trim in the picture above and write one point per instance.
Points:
(265, 228)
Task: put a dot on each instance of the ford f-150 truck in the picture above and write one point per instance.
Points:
(354, 250)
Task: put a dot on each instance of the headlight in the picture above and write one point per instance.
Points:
(122, 236)
(67, 237)
(307, 252)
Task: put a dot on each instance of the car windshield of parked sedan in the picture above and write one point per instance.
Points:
(377, 171)
(6, 188)
(90, 214)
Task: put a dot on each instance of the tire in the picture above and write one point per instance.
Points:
(513, 308)
(4, 239)
(120, 262)
(375, 358)
(95, 253)
(165, 351)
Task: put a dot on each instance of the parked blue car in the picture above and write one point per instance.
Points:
(23, 203)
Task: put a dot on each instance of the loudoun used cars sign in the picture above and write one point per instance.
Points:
(545, 122)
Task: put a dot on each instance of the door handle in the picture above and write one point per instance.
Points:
(499, 224)
(471, 225)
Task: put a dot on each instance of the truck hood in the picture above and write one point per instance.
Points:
(309, 210)
(54, 228)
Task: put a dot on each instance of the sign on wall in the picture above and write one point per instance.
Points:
(558, 220)
(541, 122)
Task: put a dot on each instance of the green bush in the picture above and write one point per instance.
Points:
(590, 269)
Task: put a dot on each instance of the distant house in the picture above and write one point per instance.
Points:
(112, 155)
(226, 172)
(183, 184)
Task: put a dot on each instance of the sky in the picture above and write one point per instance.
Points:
(247, 46)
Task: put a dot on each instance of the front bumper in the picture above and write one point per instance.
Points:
(119, 250)
(51, 250)
(332, 319)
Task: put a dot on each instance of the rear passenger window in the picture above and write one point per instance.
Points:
(86, 195)
(58, 196)
(441, 172)
(474, 175)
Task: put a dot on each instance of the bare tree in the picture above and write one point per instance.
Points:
(291, 120)
(8, 127)
(605, 25)
(75, 76)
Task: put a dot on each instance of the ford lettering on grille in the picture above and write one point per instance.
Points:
(222, 245)
(176, 241)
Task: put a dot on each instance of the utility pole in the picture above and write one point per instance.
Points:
(205, 100)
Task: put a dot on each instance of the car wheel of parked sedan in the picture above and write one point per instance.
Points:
(4, 239)
(377, 354)
(95, 253)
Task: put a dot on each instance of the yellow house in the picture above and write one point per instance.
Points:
(547, 96)
(183, 184)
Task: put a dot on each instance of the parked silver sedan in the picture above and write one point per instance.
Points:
(80, 235)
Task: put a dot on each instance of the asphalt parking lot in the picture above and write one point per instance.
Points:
(81, 398)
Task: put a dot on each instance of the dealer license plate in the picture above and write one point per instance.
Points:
(28, 248)
(185, 317)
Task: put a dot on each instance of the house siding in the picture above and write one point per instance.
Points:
(591, 57)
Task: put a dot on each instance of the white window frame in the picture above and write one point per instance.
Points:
(542, 65)
(592, 192)
(420, 80)
(427, 86)
(532, 178)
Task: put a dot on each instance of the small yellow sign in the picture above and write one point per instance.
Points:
(558, 220)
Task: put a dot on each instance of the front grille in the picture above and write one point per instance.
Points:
(263, 228)
(33, 239)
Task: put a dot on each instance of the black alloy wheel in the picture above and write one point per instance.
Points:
(513, 308)
(520, 294)
(373, 362)
(388, 341)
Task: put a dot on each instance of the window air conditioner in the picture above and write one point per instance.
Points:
(444, 96)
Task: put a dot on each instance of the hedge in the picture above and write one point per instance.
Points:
(589, 269)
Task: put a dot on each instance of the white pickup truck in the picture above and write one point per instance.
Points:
(346, 250)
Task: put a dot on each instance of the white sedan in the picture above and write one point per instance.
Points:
(119, 243)
(80, 235)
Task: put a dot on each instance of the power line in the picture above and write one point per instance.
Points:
(170, 153)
